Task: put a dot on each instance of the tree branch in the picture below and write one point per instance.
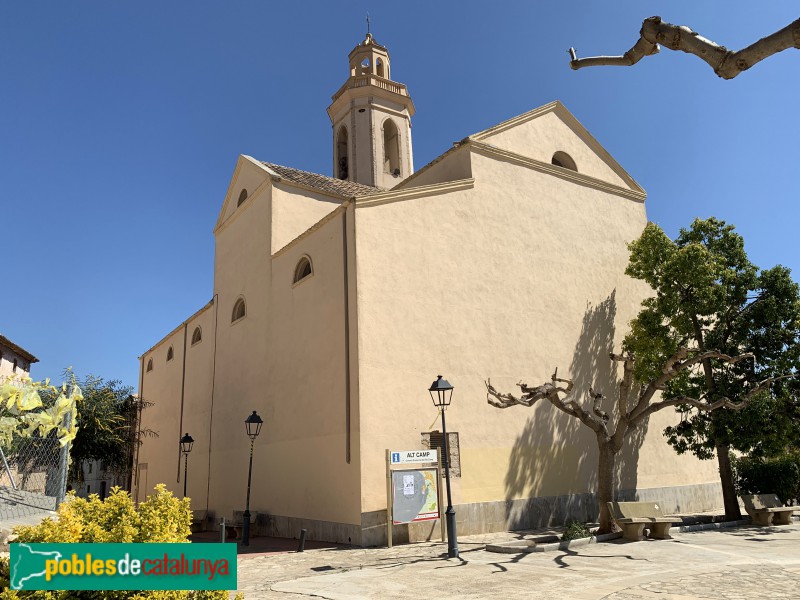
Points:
(723, 402)
(530, 395)
(626, 383)
(550, 391)
(726, 63)
(676, 364)
(597, 400)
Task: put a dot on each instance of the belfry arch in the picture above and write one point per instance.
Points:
(342, 163)
(391, 148)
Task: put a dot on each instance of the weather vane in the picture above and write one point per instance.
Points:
(368, 22)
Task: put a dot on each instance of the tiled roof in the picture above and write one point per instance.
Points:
(323, 183)
(4, 341)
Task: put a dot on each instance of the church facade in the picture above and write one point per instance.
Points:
(338, 300)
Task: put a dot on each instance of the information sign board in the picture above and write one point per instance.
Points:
(404, 457)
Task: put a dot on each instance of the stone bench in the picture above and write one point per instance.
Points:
(259, 523)
(635, 517)
(766, 510)
(201, 520)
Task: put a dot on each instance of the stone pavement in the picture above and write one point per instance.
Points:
(744, 562)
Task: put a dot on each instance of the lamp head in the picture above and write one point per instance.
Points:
(186, 443)
(441, 392)
(253, 424)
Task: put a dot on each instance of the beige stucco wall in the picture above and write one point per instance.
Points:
(509, 280)
(285, 359)
(197, 404)
(310, 475)
(548, 133)
(162, 388)
(249, 175)
(294, 210)
(241, 270)
(454, 166)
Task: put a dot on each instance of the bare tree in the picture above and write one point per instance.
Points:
(726, 63)
(634, 404)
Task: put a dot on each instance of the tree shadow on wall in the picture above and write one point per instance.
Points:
(553, 464)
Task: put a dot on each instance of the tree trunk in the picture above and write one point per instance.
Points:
(605, 482)
(732, 512)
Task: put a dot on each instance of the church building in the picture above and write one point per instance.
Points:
(338, 299)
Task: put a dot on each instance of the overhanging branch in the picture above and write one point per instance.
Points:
(725, 63)
(551, 391)
(699, 404)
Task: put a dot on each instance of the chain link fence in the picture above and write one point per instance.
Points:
(33, 475)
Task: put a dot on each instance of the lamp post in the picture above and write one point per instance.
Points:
(186, 447)
(253, 424)
(441, 394)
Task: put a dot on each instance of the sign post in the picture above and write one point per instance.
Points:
(389, 498)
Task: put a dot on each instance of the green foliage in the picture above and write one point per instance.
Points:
(162, 518)
(106, 427)
(574, 530)
(778, 475)
(709, 296)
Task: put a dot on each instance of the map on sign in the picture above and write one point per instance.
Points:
(26, 556)
(415, 495)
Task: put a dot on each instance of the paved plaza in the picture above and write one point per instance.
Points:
(737, 563)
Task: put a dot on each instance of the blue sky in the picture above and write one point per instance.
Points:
(120, 124)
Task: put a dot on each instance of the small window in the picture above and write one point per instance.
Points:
(15, 365)
(239, 310)
(149, 365)
(90, 466)
(197, 336)
(170, 354)
(562, 159)
(434, 440)
(88, 490)
(303, 269)
(242, 197)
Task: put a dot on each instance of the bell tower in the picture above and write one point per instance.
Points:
(371, 118)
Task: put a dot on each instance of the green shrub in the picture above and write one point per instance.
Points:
(779, 476)
(574, 530)
(162, 518)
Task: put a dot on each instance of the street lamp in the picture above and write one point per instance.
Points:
(186, 447)
(441, 394)
(253, 424)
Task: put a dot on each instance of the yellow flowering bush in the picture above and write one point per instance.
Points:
(162, 518)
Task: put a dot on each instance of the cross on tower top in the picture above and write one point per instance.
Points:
(368, 23)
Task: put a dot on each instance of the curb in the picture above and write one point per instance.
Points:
(529, 546)
(707, 526)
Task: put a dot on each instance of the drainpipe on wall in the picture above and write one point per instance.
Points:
(211, 412)
(346, 334)
(183, 387)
